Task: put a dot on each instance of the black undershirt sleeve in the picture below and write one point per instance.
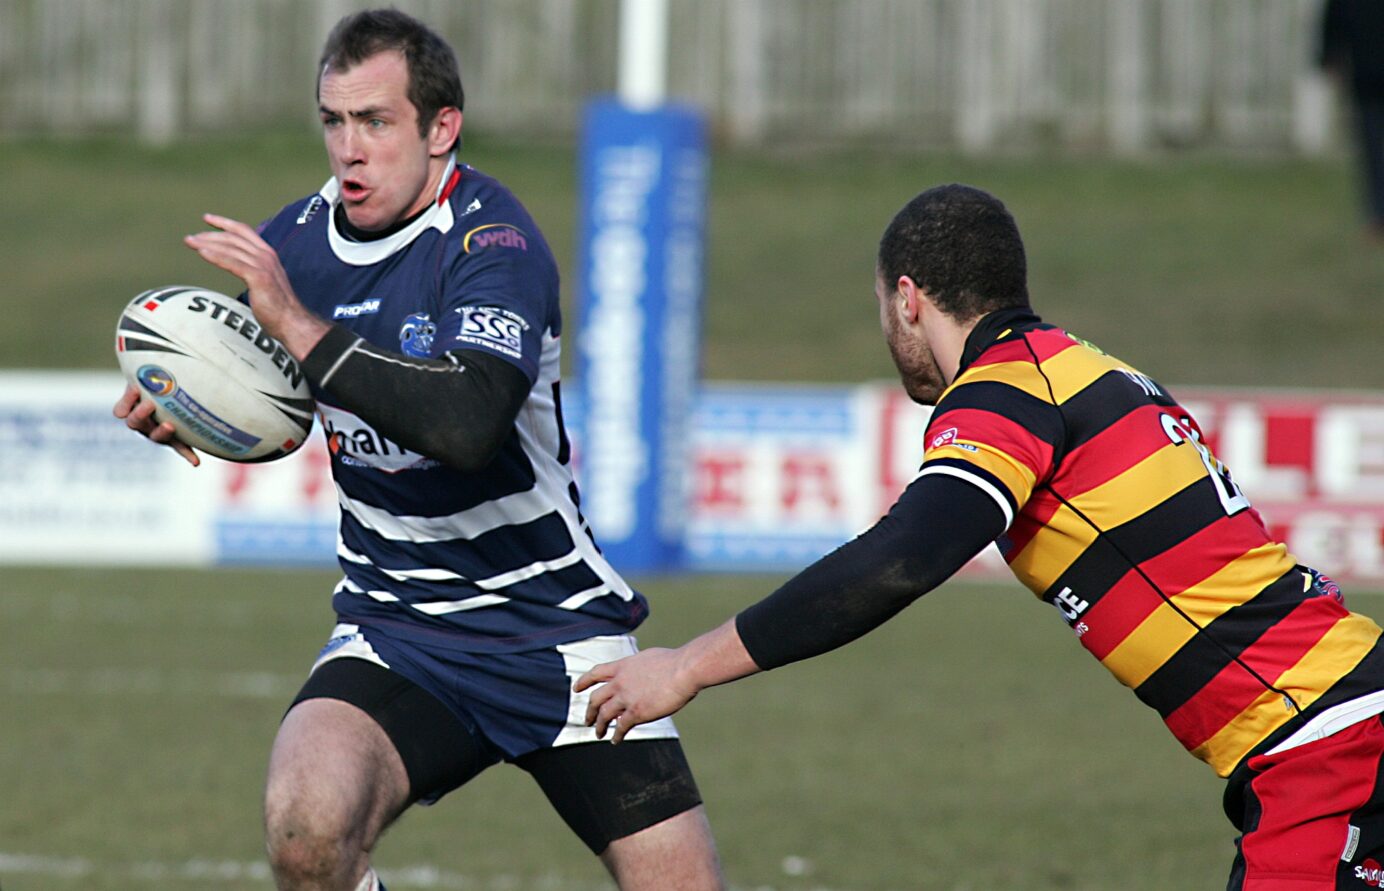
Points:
(458, 409)
(936, 526)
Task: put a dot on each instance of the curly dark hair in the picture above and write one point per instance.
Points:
(961, 246)
(434, 82)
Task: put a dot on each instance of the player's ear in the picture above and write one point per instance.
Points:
(909, 297)
(446, 127)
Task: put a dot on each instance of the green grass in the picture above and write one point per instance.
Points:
(1199, 270)
(968, 744)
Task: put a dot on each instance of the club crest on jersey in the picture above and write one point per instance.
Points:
(946, 437)
(494, 235)
(493, 327)
(416, 335)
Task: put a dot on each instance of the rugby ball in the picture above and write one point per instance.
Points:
(211, 371)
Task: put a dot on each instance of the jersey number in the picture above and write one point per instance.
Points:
(1232, 499)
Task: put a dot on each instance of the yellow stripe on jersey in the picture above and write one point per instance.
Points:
(1156, 639)
(1022, 376)
(1017, 477)
(1062, 377)
(1128, 496)
(1338, 651)
(1142, 487)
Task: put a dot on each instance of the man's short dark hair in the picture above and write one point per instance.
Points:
(961, 246)
(434, 83)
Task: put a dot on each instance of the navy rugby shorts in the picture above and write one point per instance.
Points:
(452, 714)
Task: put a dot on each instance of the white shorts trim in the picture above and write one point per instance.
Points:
(582, 655)
(1334, 719)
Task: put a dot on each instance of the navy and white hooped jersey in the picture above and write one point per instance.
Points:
(499, 560)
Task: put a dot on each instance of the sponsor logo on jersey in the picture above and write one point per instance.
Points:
(314, 204)
(354, 442)
(493, 327)
(352, 310)
(156, 380)
(471, 208)
(1370, 873)
(1070, 605)
(946, 437)
(494, 235)
(416, 335)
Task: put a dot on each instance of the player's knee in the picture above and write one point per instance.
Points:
(307, 848)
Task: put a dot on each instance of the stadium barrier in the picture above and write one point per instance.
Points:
(780, 475)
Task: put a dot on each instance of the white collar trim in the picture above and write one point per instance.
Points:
(367, 253)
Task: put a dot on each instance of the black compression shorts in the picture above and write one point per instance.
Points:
(602, 791)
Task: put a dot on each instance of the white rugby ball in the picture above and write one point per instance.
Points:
(200, 357)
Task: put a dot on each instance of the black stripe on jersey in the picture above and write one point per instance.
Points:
(493, 553)
(1206, 655)
(549, 588)
(1362, 679)
(1038, 416)
(1103, 402)
(981, 473)
(564, 446)
(1116, 551)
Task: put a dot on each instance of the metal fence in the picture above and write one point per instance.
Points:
(987, 75)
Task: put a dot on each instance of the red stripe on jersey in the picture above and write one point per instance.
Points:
(1044, 344)
(1000, 433)
(1129, 601)
(1114, 450)
(451, 184)
(1034, 518)
(1234, 689)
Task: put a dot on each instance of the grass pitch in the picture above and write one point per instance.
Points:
(968, 744)
(1197, 270)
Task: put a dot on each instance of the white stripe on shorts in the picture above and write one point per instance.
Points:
(581, 655)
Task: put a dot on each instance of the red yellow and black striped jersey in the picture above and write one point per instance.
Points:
(1121, 517)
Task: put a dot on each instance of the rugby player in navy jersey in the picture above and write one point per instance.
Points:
(1100, 493)
(422, 302)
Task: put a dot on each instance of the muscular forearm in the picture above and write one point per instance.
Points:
(716, 657)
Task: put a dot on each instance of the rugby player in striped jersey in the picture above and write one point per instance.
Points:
(422, 301)
(1106, 502)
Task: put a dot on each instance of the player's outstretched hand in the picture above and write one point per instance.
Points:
(237, 248)
(634, 690)
(139, 416)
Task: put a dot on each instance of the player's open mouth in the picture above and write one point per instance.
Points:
(353, 190)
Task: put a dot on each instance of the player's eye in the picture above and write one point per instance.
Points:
(376, 124)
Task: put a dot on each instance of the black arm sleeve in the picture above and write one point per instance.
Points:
(936, 526)
(458, 409)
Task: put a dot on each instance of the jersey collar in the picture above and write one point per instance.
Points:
(437, 215)
(991, 328)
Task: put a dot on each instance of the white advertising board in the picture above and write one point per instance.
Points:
(780, 475)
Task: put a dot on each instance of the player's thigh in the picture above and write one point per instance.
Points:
(333, 773)
(607, 792)
(674, 853)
